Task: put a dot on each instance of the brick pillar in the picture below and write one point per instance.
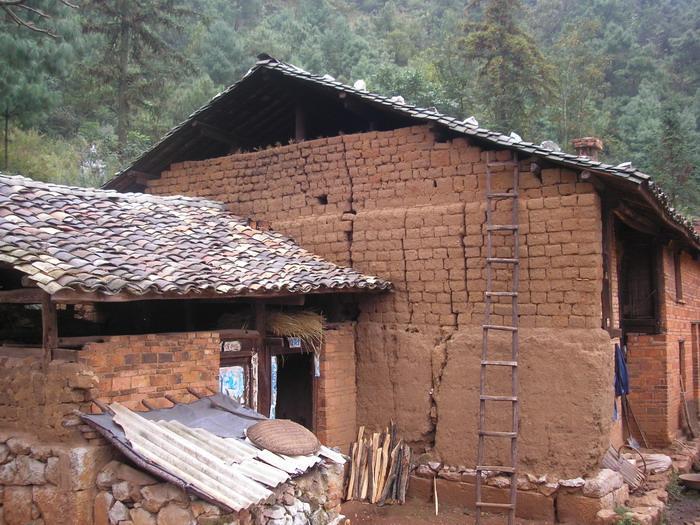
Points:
(336, 411)
(651, 389)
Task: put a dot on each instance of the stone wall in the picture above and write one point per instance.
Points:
(337, 392)
(127, 495)
(131, 368)
(39, 401)
(43, 483)
(543, 499)
(405, 206)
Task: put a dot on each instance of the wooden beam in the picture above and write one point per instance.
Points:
(142, 178)
(299, 122)
(264, 361)
(68, 296)
(215, 133)
(49, 323)
(22, 296)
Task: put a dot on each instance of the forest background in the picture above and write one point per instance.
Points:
(86, 87)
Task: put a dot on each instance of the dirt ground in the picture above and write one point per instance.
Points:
(414, 512)
(685, 510)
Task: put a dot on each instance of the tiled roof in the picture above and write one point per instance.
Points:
(623, 172)
(94, 240)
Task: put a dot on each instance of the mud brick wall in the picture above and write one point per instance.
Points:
(40, 401)
(336, 408)
(408, 207)
(135, 367)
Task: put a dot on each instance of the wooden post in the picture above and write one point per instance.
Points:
(264, 362)
(49, 323)
(299, 123)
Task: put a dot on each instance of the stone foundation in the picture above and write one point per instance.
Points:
(48, 484)
(127, 495)
(546, 500)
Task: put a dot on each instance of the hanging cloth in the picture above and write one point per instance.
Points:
(622, 385)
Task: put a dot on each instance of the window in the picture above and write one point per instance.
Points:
(677, 275)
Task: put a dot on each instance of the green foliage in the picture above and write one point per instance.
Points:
(514, 76)
(138, 54)
(43, 158)
(673, 488)
(626, 520)
(123, 72)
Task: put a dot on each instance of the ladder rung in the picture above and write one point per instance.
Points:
(495, 468)
(503, 260)
(495, 505)
(499, 363)
(496, 434)
(498, 398)
(503, 227)
(500, 327)
(502, 294)
(502, 195)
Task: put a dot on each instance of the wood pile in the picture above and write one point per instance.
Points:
(380, 467)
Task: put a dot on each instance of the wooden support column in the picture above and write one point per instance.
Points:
(49, 323)
(608, 321)
(264, 362)
(299, 123)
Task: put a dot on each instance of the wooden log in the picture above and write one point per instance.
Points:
(371, 467)
(391, 477)
(377, 466)
(349, 494)
(357, 486)
(365, 471)
(382, 462)
(49, 322)
(405, 473)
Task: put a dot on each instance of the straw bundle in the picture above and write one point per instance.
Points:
(308, 326)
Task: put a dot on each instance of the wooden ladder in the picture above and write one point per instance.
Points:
(512, 263)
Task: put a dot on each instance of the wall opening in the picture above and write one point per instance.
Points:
(295, 388)
(640, 284)
(677, 275)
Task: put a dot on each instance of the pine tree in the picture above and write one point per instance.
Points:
(514, 76)
(674, 166)
(138, 54)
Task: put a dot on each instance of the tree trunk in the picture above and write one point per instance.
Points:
(122, 88)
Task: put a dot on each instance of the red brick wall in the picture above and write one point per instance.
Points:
(655, 359)
(135, 367)
(337, 390)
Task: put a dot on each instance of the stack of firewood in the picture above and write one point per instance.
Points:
(379, 468)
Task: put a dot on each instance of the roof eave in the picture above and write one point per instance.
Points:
(77, 297)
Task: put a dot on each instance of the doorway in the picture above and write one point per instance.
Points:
(295, 389)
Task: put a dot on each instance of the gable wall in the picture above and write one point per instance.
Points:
(406, 207)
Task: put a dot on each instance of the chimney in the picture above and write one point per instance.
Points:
(588, 147)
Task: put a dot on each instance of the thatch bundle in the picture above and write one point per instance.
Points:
(306, 325)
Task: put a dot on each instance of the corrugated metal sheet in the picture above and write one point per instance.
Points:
(230, 471)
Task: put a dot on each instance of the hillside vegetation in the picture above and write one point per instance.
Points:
(120, 73)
